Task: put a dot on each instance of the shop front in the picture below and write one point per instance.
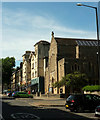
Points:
(37, 85)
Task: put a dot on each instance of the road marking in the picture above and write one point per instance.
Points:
(24, 116)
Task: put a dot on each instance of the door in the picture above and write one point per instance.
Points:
(88, 104)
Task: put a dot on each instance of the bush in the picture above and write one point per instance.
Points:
(91, 88)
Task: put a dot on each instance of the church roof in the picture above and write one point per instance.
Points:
(75, 41)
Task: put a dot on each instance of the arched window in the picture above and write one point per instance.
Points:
(72, 68)
(89, 66)
(52, 80)
(78, 68)
(33, 66)
(75, 67)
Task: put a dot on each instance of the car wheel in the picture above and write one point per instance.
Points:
(72, 110)
(96, 115)
(30, 97)
(79, 109)
(18, 96)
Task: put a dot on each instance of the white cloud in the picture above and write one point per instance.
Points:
(48, 23)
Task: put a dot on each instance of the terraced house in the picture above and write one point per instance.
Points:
(38, 64)
(16, 79)
(26, 70)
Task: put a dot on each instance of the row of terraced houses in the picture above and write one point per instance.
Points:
(51, 61)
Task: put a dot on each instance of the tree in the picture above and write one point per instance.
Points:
(74, 80)
(91, 88)
(7, 69)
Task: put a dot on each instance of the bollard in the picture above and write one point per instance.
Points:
(40, 94)
(47, 94)
(36, 94)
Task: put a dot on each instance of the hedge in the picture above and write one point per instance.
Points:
(91, 88)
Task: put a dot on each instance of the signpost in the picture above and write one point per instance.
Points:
(99, 35)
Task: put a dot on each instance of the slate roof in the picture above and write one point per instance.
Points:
(73, 41)
(87, 43)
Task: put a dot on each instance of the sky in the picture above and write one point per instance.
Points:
(26, 23)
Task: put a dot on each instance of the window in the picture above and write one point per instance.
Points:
(76, 67)
(33, 74)
(72, 68)
(88, 97)
(52, 80)
(89, 66)
(96, 97)
(33, 66)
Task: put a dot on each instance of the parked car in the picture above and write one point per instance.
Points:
(22, 95)
(13, 93)
(8, 93)
(5, 91)
(97, 111)
(81, 102)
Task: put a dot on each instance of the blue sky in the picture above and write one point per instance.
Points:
(25, 23)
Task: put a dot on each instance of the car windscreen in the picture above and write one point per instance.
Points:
(71, 97)
(9, 92)
(74, 97)
(22, 93)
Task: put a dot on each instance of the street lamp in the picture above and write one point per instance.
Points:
(79, 4)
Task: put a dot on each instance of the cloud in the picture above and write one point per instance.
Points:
(22, 30)
(23, 18)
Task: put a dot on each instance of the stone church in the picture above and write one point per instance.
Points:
(67, 55)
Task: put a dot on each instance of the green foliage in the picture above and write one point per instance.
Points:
(75, 80)
(56, 84)
(91, 88)
(7, 69)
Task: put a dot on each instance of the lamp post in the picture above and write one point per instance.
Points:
(79, 4)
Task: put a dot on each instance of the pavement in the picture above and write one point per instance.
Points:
(48, 102)
(43, 101)
(49, 98)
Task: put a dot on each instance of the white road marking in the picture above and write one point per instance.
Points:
(23, 116)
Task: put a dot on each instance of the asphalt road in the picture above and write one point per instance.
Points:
(12, 108)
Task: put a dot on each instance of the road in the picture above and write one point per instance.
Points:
(41, 109)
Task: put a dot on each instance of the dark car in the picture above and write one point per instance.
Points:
(22, 95)
(80, 102)
(97, 111)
